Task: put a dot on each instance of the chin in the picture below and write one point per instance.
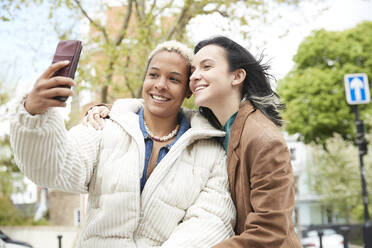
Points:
(200, 101)
(160, 111)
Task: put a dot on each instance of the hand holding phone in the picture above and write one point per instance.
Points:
(67, 50)
(47, 88)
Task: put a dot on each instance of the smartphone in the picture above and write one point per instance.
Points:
(67, 50)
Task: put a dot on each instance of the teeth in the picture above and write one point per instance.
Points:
(160, 98)
(200, 87)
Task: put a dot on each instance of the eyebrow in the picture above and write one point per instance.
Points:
(205, 60)
(177, 73)
(173, 72)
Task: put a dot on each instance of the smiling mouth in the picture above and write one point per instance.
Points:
(159, 98)
(200, 87)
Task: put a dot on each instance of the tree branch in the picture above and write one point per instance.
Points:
(99, 27)
(190, 9)
(166, 6)
(178, 23)
(125, 24)
(222, 13)
(126, 81)
(153, 6)
(140, 9)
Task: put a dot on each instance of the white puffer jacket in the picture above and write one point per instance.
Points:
(185, 202)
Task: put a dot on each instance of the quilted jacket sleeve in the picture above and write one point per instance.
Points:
(50, 155)
(211, 218)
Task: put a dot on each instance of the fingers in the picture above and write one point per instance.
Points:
(95, 115)
(56, 91)
(54, 103)
(39, 99)
(55, 82)
(103, 111)
(53, 68)
(92, 121)
(46, 88)
(98, 119)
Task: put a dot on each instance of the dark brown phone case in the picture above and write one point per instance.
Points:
(67, 50)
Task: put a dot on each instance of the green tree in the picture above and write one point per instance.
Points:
(9, 215)
(7, 163)
(314, 90)
(9, 172)
(143, 24)
(335, 176)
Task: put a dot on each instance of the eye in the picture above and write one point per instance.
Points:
(153, 75)
(173, 79)
(207, 66)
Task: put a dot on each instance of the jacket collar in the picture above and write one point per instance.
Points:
(200, 127)
(236, 133)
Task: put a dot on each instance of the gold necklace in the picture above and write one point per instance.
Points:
(164, 138)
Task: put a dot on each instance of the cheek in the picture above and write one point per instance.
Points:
(145, 87)
(181, 92)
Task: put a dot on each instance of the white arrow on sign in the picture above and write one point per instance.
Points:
(356, 84)
(356, 88)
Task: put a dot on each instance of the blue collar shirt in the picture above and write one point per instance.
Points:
(184, 126)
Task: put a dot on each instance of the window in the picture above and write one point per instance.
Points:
(293, 153)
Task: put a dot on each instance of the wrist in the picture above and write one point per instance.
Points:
(26, 105)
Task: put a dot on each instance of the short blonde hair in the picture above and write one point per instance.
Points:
(172, 46)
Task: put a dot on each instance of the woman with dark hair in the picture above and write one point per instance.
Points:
(233, 92)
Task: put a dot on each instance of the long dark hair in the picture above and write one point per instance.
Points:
(256, 85)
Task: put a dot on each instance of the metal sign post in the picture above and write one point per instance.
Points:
(357, 92)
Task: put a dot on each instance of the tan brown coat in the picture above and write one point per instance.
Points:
(261, 183)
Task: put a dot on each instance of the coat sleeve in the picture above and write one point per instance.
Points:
(50, 155)
(271, 196)
(211, 218)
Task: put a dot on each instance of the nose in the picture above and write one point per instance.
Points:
(195, 75)
(161, 83)
(194, 78)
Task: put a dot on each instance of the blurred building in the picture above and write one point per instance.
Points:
(25, 196)
(308, 208)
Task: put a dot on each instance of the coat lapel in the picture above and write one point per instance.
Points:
(235, 136)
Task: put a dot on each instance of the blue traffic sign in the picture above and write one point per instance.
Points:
(356, 88)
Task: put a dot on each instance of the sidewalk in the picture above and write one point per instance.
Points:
(43, 236)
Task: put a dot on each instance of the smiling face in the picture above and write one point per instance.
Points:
(211, 79)
(165, 85)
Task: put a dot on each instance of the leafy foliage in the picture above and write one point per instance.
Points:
(9, 174)
(314, 90)
(335, 175)
(120, 37)
(117, 51)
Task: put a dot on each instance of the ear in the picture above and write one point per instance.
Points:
(239, 76)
